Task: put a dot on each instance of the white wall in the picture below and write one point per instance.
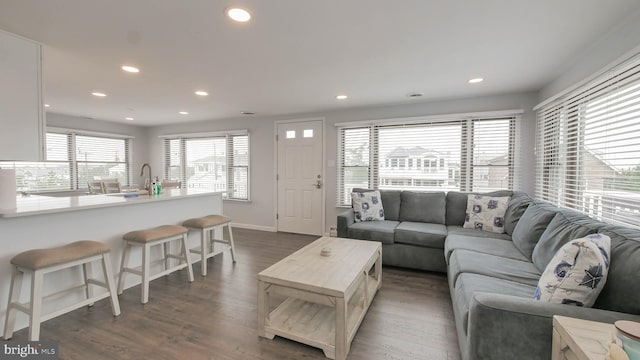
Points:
(259, 212)
(621, 40)
(139, 145)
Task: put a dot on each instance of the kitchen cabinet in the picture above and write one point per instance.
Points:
(22, 121)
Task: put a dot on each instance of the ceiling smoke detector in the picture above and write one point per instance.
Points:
(414, 95)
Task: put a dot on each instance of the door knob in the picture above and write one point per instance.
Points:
(318, 184)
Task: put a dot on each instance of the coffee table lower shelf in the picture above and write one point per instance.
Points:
(315, 324)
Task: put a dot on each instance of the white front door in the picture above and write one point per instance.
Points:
(300, 182)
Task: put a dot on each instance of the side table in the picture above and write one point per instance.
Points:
(577, 339)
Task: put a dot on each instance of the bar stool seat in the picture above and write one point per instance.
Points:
(161, 235)
(206, 225)
(39, 262)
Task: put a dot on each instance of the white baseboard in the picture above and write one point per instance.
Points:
(254, 227)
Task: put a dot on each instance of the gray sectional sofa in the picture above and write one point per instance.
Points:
(492, 277)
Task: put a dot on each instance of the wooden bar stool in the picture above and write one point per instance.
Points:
(146, 239)
(39, 262)
(206, 225)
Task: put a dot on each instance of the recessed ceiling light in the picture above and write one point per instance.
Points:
(341, 97)
(415, 95)
(247, 113)
(131, 69)
(129, 118)
(238, 14)
(201, 93)
(183, 113)
(47, 105)
(98, 94)
(476, 80)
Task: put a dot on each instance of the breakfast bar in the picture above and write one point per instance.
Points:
(47, 221)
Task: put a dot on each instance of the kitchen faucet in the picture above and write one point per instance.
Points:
(148, 184)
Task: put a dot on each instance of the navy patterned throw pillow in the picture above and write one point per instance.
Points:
(367, 206)
(577, 273)
(486, 213)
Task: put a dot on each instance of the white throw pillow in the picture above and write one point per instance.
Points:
(367, 206)
(486, 213)
(577, 273)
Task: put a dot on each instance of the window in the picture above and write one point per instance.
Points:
(72, 160)
(587, 153)
(465, 154)
(219, 162)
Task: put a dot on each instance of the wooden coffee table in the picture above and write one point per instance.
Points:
(326, 296)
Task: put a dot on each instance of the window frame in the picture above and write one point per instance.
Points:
(565, 173)
(229, 167)
(71, 161)
(430, 164)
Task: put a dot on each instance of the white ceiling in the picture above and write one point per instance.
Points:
(295, 56)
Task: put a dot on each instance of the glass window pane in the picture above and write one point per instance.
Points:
(57, 147)
(308, 133)
(291, 134)
(206, 163)
(427, 146)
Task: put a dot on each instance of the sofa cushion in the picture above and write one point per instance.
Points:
(622, 290)
(517, 206)
(531, 225)
(426, 207)
(421, 234)
(373, 230)
(469, 284)
(498, 247)
(367, 206)
(457, 205)
(559, 232)
(391, 204)
(459, 230)
(486, 213)
(577, 273)
(467, 261)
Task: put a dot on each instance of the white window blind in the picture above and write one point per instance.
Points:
(463, 154)
(219, 163)
(588, 155)
(101, 158)
(72, 160)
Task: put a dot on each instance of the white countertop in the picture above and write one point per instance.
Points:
(38, 204)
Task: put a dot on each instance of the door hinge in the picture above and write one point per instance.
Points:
(277, 176)
(276, 137)
(277, 216)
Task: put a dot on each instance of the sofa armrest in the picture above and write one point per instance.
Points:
(345, 219)
(511, 327)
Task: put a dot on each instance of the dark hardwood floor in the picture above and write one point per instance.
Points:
(215, 317)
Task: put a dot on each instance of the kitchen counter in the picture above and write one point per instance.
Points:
(38, 204)
(46, 221)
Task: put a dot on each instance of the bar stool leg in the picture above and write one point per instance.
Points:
(166, 248)
(108, 279)
(185, 254)
(14, 297)
(203, 252)
(86, 271)
(36, 305)
(233, 248)
(123, 263)
(146, 252)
